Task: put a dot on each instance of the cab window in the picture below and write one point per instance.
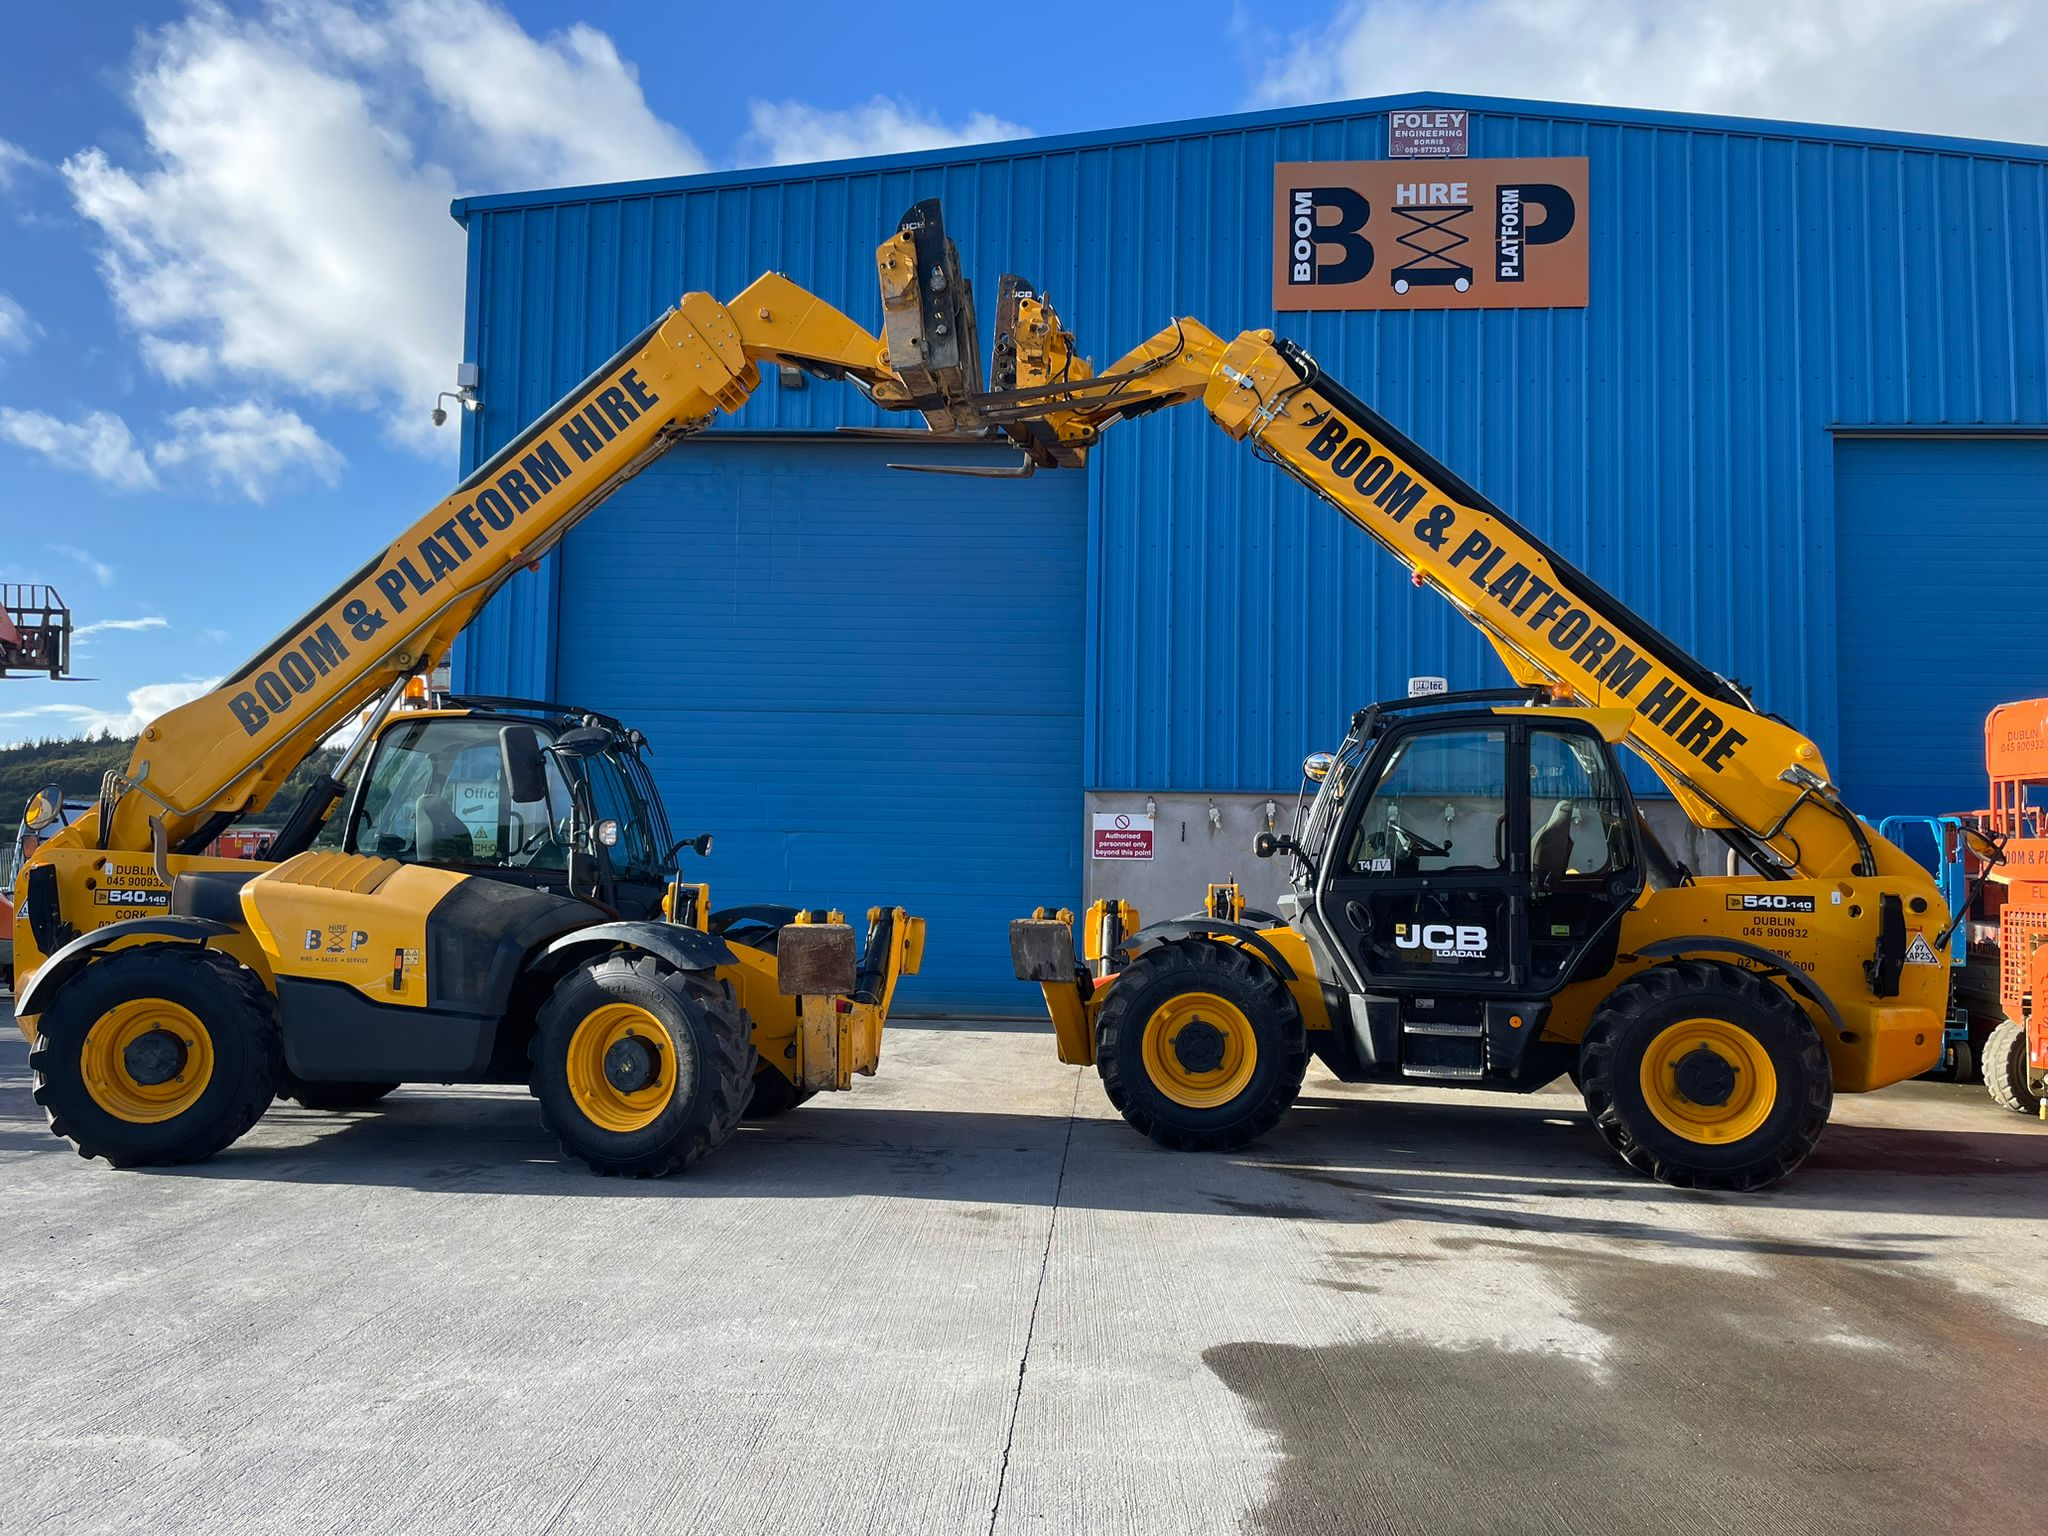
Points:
(436, 795)
(1576, 811)
(1440, 804)
(614, 798)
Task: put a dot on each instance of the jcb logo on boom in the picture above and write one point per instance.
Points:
(1463, 941)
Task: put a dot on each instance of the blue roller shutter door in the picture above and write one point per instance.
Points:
(866, 683)
(1942, 598)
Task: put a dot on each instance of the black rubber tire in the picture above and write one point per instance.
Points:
(1201, 965)
(332, 1095)
(1958, 1064)
(775, 1094)
(239, 1016)
(699, 1012)
(2006, 1077)
(1641, 1008)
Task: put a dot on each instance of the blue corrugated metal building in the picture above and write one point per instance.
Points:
(1801, 423)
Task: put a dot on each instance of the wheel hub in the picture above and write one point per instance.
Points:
(632, 1063)
(1704, 1077)
(1199, 1046)
(155, 1058)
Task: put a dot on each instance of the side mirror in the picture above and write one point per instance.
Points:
(519, 755)
(584, 741)
(1983, 847)
(45, 808)
(1266, 844)
(1317, 765)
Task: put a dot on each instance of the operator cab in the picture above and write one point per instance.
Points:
(534, 794)
(1459, 862)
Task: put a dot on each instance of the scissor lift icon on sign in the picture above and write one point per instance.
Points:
(1433, 239)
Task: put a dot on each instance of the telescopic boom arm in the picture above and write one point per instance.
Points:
(198, 767)
(1731, 767)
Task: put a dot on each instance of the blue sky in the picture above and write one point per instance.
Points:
(229, 286)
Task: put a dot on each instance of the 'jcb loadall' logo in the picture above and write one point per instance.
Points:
(1446, 941)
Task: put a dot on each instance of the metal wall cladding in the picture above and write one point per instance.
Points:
(1753, 286)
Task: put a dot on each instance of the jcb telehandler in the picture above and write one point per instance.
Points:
(1477, 899)
(498, 900)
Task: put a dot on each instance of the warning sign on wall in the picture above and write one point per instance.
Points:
(1121, 835)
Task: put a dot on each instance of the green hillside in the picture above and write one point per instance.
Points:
(77, 766)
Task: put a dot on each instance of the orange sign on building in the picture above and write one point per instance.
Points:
(1466, 234)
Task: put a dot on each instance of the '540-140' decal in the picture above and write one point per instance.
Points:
(1769, 903)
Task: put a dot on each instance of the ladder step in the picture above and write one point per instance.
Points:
(1438, 1072)
(1452, 1031)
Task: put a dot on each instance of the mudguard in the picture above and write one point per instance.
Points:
(687, 949)
(1777, 965)
(1201, 926)
(80, 952)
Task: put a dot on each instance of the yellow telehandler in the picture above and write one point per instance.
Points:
(1477, 899)
(482, 891)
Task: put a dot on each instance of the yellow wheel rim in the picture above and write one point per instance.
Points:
(1709, 1081)
(1200, 1050)
(622, 1067)
(147, 1060)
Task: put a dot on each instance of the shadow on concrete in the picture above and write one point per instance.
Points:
(1509, 1166)
(954, 1023)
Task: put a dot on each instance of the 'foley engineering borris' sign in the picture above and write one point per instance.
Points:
(1461, 234)
(1426, 132)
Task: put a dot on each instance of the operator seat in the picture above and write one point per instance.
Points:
(439, 835)
(1550, 852)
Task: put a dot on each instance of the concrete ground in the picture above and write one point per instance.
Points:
(966, 1298)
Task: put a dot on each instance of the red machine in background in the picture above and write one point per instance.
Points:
(35, 631)
(2016, 758)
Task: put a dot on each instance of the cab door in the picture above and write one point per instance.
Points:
(1586, 866)
(1427, 888)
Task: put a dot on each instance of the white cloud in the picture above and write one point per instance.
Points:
(13, 161)
(283, 227)
(72, 720)
(564, 110)
(17, 330)
(245, 447)
(104, 625)
(794, 132)
(280, 229)
(288, 220)
(98, 444)
(102, 572)
(181, 362)
(1970, 67)
(241, 448)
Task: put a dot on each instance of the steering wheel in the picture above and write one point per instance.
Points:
(544, 832)
(1412, 844)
